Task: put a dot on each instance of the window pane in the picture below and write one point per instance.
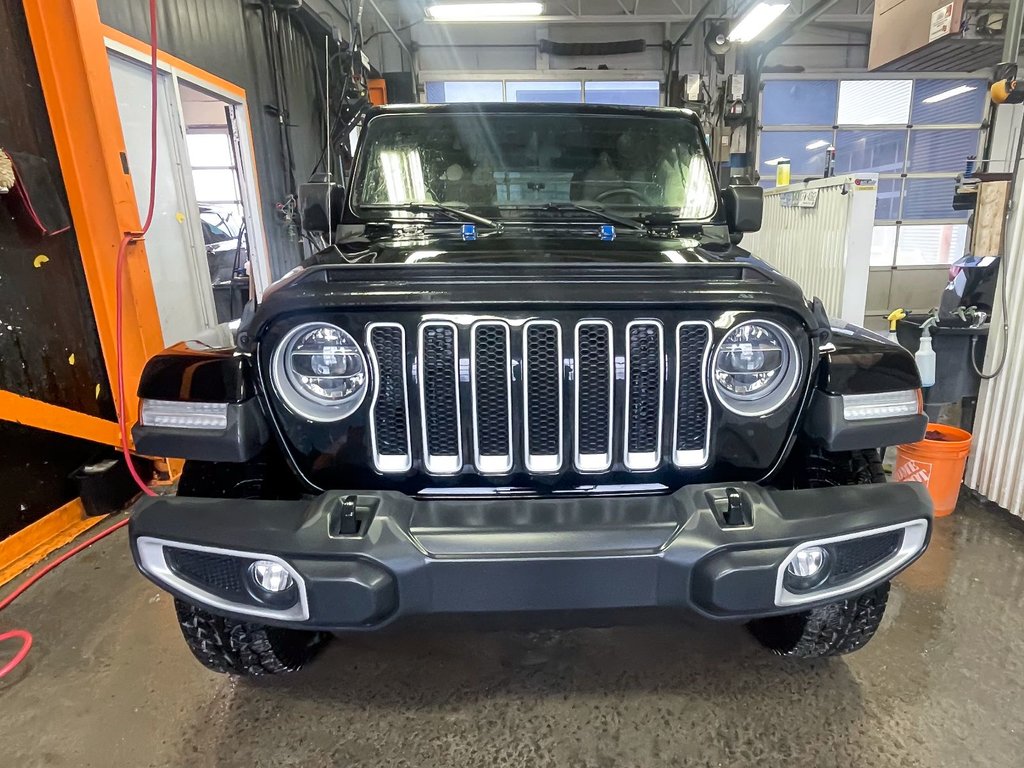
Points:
(883, 246)
(879, 151)
(799, 102)
(950, 101)
(458, 91)
(640, 93)
(932, 151)
(931, 244)
(209, 149)
(542, 90)
(805, 149)
(215, 186)
(874, 102)
(887, 206)
(930, 199)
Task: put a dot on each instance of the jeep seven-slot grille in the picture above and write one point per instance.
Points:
(645, 374)
(492, 394)
(439, 397)
(390, 416)
(540, 396)
(542, 380)
(594, 383)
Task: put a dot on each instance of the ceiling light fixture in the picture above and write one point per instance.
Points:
(483, 11)
(960, 89)
(817, 144)
(755, 21)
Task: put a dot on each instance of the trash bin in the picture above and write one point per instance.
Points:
(951, 340)
(938, 461)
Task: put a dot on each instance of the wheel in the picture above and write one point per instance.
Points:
(244, 649)
(845, 625)
(831, 630)
(824, 470)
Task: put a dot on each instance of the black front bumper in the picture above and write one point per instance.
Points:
(413, 557)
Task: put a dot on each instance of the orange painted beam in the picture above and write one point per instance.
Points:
(68, 42)
(22, 550)
(53, 418)
(181, 65)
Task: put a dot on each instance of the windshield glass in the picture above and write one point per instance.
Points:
(502, 165)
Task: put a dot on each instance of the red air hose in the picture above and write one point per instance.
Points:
(122, 255)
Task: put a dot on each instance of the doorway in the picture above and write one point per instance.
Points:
(206, 248)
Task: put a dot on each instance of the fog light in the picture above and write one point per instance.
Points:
(808, 568)
(270, 576)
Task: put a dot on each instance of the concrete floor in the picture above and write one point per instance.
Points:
(109, 683)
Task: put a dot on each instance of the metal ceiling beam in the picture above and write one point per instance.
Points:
(830, 18)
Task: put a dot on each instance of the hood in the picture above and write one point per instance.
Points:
(560, 247)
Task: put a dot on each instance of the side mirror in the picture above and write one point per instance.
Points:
(320, 206)
(744, 208)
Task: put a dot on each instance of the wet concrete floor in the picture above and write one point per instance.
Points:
(110, 683)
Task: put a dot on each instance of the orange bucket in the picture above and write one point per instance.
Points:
(938, 461)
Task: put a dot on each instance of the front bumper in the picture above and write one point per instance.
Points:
(411, 557)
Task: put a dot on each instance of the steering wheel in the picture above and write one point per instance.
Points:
(639, 196)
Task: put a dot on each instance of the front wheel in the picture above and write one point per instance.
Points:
(829, 630)
(845, 625)
(241, 648)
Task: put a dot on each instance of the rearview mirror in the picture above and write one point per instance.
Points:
(744, 208)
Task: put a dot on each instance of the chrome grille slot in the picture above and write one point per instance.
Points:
(389, 409)
(440, 405)
(692, 433)
(542, 396)
(645, 385)
(594, 382)
(491, 377)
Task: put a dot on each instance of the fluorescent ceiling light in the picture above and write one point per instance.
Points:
(483, 11)
(755, 21)
(960, 89)
(817, 144)
(776, 161)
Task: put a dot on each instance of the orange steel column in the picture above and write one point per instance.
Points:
(67, 38)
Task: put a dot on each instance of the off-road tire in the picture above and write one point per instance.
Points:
(834, 469)
(243, 649)
(831, 630)
(845, 625)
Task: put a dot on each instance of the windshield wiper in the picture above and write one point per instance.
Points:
(600, 213)
(456, 213)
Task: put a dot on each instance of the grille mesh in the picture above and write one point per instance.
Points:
(389, 416)
(692, 418)
(858, 555)
(644, 397)
(491, 388)
(440, 397)
(592, 371)
(544, 382)
(222, 573)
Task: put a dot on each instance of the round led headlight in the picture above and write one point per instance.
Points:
(756, 368)
(320, 372)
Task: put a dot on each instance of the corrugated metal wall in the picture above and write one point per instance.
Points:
(996, 469)
(826, 246)
(226, 38)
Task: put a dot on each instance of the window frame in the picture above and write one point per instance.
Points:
(909, 129)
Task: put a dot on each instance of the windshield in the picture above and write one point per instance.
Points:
(503, 165)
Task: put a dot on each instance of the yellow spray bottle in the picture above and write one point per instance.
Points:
(894, 317)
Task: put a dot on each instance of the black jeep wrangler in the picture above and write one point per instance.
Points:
(535, 378)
